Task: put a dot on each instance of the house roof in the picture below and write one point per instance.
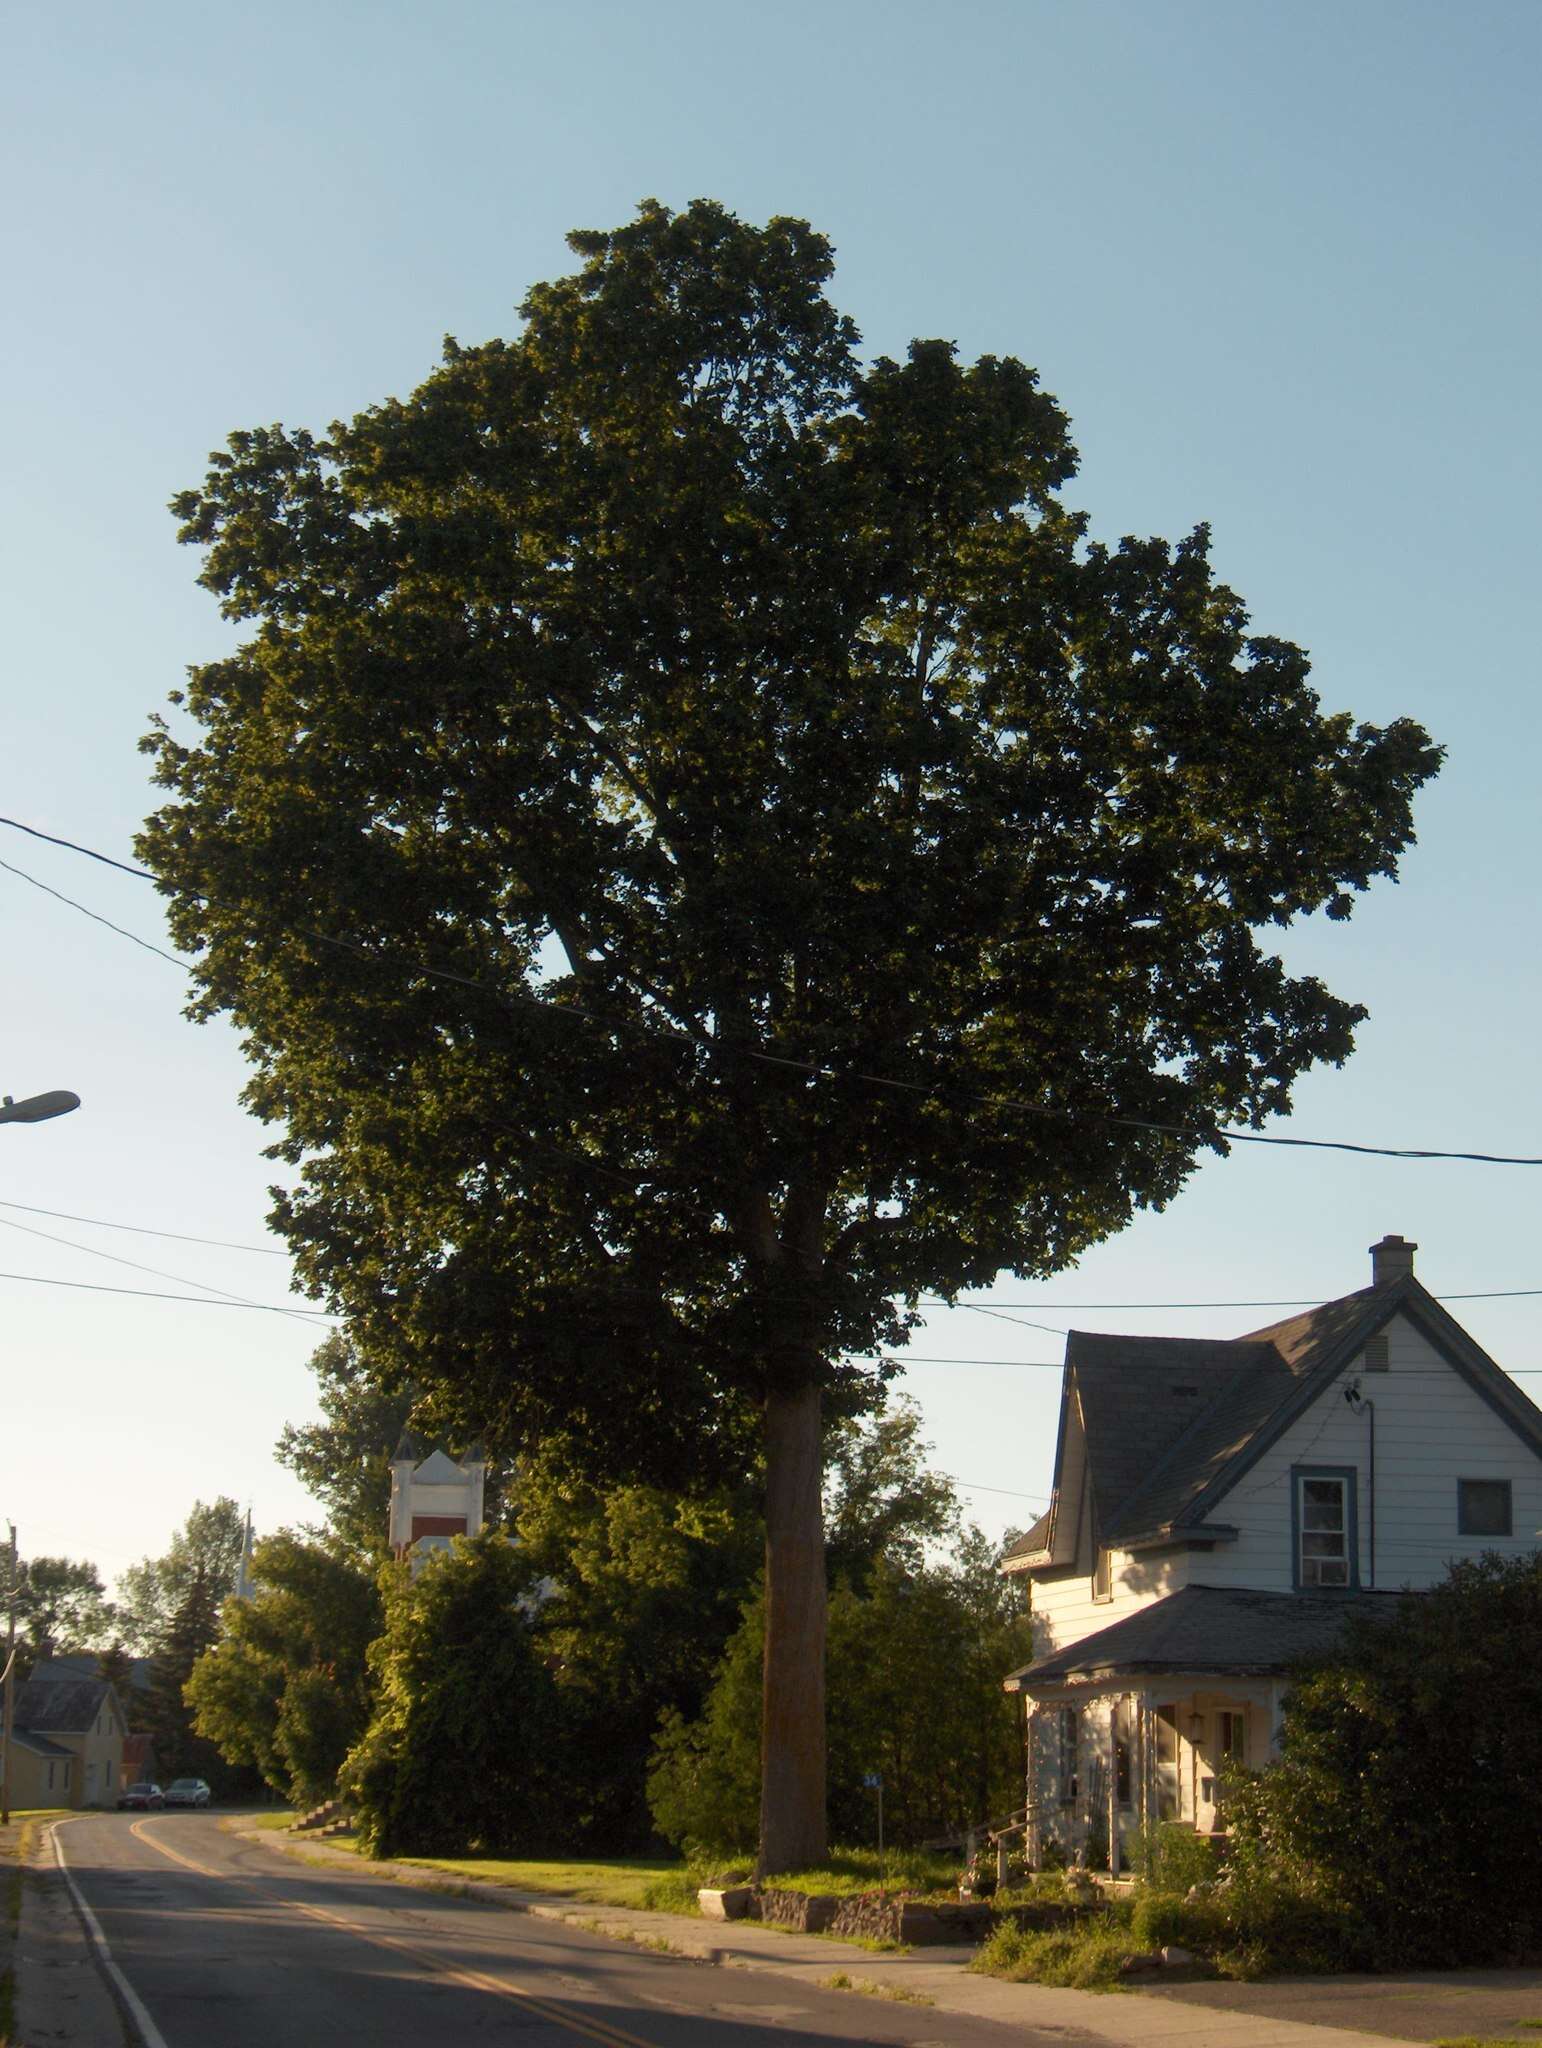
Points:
(66, 1705)
(1158, 1411)
(138, 1672)
(38, 1744)
(1171, 1423)
(1222, 1629)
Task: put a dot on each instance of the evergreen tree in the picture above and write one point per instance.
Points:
(193, 1626)
(207, 1549)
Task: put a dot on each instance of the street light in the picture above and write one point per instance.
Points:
(33, 1109)
(37, 1109)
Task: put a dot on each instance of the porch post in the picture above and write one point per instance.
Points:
(1113, 1784)
(1032, 1834)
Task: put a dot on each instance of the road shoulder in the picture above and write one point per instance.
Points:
(60, 1993)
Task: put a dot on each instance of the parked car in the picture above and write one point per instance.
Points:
(140, 1798)
(187, 1792)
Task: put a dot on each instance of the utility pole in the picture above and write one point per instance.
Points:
(10, 1682)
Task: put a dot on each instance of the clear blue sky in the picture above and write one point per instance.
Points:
(1279, 262)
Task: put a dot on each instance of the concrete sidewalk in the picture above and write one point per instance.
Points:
(940, 1975)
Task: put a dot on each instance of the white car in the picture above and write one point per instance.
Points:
(187, 1792)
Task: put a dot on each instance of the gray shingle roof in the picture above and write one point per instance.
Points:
(1031, 1540)
(38, 1744)
(66, 1705)
(1158, 1410)
(1222, 1629)
(1171, 1423)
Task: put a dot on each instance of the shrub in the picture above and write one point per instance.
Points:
(1416, 1748)
(1084, 1958)
(1172, 1858)
(1160, 1917)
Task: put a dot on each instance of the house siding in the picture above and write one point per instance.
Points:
(1432, 1428)
(1065, 1611)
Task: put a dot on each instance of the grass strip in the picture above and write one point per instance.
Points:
(865, 1987)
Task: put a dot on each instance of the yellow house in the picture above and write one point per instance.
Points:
(66, 1746)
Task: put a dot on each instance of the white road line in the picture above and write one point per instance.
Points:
(149, 2033)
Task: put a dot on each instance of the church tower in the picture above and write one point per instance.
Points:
(432, 1498)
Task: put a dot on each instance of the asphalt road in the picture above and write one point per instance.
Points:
(230, 1945)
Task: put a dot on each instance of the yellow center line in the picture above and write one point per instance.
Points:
(473, 1980)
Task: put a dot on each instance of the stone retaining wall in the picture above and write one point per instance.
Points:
(876, 1916)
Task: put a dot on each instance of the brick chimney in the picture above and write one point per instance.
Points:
(1392, 1259)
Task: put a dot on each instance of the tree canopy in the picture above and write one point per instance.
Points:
(204, 1554)
(61, 1602)
(285, 1687)
(702, 847)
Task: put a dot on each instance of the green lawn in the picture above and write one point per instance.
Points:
(626, 1881)
(668, 1886)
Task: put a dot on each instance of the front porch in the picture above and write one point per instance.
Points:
(1138, 1722)
(1105, 1760)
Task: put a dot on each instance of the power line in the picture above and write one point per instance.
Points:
(267, 1251)
(95, 916)
(1294, 1301)
(993, 1308)
(73, 846)
(152, 1294)
(1217, 1134)
(92, 1251)
(1416, 1372)
(975, 1486)
(902, 1358)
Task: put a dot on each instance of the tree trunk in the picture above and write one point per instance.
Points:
(792, 1742)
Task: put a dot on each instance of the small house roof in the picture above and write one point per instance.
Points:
(39, 1744)
(1032, 1540)
(1227, 1630)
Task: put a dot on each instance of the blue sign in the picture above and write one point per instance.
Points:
(873, 1780)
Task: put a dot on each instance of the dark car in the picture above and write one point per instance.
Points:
(187, 1792)
(140, 1798)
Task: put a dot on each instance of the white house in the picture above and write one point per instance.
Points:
(1220, 1507)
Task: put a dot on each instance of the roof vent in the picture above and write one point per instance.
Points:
(1392, 1259)
(1377, 1355)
